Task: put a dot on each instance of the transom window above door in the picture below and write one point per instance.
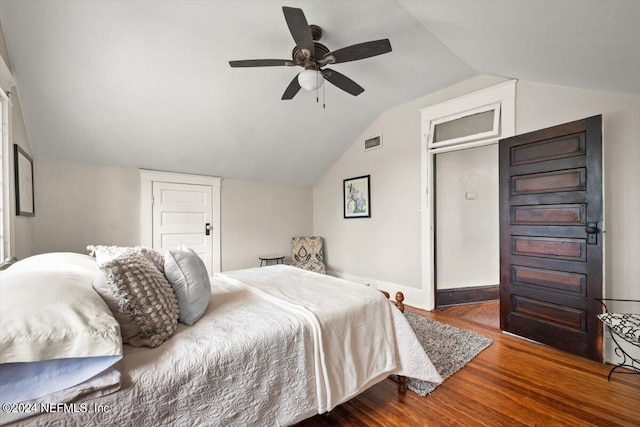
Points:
(471, 125)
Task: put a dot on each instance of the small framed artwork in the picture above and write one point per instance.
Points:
(23, 165)
(357, 197)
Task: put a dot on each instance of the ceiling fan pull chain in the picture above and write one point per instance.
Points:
(317, 84)
(323, 98)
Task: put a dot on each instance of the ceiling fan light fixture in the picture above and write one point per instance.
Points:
(310, 80)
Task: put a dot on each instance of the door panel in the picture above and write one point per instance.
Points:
(573, 145)
(192, 240)
(549, 247)
(550, 190)
(561, 281)
(548, 214)
(182, 219)
(550, 182)
(180, 215)
(548, 312)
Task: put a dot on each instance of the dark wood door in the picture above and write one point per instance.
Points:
(550, 236)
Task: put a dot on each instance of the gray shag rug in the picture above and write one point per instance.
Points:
(448, 347)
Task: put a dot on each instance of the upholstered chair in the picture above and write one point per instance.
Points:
(308, 254)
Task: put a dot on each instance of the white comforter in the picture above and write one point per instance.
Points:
(261, 357)
(354, 326)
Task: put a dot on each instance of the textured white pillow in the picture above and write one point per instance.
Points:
(190, 282)
(53, 316)
(140, 298)
(105, 254)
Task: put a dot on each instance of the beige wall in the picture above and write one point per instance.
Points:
(539, 106)
(3, 47)
(260, 219)
(80, 204)
(385, 247)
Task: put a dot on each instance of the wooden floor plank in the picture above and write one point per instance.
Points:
(514, 382)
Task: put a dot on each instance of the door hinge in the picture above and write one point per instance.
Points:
(153, 200)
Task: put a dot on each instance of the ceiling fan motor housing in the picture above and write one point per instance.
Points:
(309, 63)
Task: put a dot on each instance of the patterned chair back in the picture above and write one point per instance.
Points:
(308, 253)
(307, 249)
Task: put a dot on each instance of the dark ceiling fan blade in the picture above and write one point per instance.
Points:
(262, 63)
(343, 82)
(292, 89)
(357, 51)
(299, 28)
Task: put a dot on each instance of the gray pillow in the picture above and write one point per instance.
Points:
(190, 281)
(140, 297)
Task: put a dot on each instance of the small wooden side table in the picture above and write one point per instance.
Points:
(264, 260)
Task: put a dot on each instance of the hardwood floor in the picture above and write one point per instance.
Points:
(514, 382)
(484, 313)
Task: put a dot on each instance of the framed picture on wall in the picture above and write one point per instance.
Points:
(356, 195)
(23, 165)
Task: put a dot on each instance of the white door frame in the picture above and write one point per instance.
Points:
(504, 94)
(147, 177)
(7, 209)
(8, 218)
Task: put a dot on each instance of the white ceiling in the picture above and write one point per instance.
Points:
(147, 84)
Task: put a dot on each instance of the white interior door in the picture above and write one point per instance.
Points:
(182, 214)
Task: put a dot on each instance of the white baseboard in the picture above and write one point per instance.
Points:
(414, 297)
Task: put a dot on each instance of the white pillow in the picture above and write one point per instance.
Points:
(56, 332)
(189, 279)
(69, 262)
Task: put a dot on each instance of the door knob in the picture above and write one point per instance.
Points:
(592, 230)
(207, 229)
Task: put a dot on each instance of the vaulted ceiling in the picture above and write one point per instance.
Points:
(147, 84)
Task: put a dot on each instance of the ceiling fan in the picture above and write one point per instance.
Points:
(313, 57)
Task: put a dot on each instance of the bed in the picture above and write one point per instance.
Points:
(275, 345)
